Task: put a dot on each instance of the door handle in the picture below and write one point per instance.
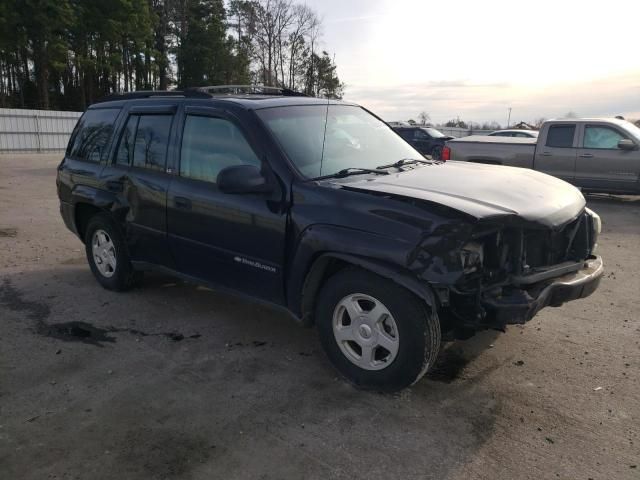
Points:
(546, 154)
(181, 202)
(115, 186)
(586, 155)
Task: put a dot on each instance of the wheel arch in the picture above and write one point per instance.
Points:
(89, 201)
(329, 263)
(83, 212)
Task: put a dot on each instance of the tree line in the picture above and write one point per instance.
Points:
(66, 54)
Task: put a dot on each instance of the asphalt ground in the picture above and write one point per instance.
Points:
(172, 380)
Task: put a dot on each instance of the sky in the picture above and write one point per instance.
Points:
(475, 59)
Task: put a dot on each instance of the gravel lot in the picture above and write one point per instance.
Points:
(172, 380)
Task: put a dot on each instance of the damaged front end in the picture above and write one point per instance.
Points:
(512, 269)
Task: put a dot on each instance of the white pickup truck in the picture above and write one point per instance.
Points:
(594, 154)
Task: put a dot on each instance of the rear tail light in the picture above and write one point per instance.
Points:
(446, 154)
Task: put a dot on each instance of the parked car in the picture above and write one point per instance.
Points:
(319, 208)
(595, 154)
(426, 140)
(515, 133)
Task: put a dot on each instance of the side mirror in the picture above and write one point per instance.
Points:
(242, 179)
(626, 144)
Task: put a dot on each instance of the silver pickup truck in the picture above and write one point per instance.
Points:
(594, 154)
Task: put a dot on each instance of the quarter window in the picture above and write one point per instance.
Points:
(92, 134)
(209, 145)
(601, 137)
(561, 136)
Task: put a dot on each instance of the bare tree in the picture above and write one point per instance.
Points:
(280, 40)
(538, 122)
(423, 117)
(304, 22)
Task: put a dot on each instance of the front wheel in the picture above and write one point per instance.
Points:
(377, 334)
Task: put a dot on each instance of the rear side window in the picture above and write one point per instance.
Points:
(127, 141)
(561, 136)
(211, 144)
(144, 141)
(406, 134)
(152, 138)
(92, 134)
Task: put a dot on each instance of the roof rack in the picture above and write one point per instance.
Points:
(248, 90)
(192, 93)
(204, 92)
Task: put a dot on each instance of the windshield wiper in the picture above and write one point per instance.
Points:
(345, 172)
(405, 161)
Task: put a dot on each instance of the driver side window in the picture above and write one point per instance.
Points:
(601, 137)
(209, 145)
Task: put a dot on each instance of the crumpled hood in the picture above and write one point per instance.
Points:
(484, 191)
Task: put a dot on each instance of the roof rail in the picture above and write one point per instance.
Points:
(153, 93)
(204, 92)
(248, 90)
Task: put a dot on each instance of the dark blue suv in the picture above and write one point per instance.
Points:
(319, 207)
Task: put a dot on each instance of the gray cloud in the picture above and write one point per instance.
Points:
(482, 102)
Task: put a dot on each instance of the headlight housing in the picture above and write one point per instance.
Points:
(596, 223)
(471, 257)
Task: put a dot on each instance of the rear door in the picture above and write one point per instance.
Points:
(557, 155)
(233, 240)
(138, 175)
(601, 165)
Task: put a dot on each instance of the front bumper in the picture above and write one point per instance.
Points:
(518, 306)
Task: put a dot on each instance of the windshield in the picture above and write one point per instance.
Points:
(632, 129)
(434, 133)
(325, 139)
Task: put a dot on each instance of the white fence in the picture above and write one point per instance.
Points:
(48, 131)
(462, 132)
(24, 131)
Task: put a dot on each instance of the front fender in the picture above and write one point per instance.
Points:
(319, 244)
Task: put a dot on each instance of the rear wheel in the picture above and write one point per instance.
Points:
(436, 153)
(107, 254)
(377, 334)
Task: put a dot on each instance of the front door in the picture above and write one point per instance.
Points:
(601, 165)
(557, 156)
(233, 240)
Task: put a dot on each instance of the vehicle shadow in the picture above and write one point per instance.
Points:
(193, 383)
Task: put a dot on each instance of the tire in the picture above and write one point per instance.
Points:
(105, 243)
(436, 153)
(409, 327)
